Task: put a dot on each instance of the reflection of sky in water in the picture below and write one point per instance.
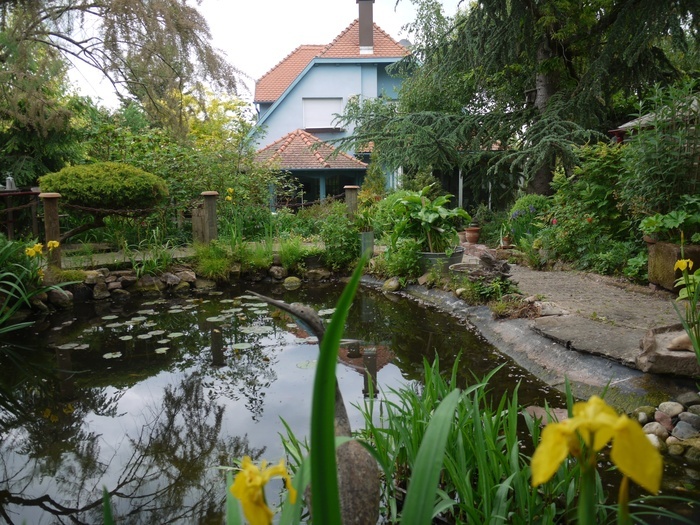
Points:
(279, 369)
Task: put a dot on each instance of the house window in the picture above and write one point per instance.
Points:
(319, 113)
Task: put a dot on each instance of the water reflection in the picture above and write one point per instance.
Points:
(148, 398)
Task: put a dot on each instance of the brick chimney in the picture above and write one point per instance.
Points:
(366, 27)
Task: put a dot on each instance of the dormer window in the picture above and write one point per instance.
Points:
(320, 114)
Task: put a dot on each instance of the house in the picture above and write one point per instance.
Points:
(299, 99)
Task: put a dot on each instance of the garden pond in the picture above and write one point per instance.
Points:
(147, 398)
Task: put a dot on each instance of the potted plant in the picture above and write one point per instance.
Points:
(665, 234)
(505, 235)
(473, 232)
(432, 224)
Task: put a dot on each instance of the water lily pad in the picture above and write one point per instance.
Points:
(329, 311)
(257, 330)
(137, 319)
(114, 325)
(163, 341)
(67, 346)
(215, 293)
(162, 350)
(175, 335)
(144, 336)
(149, 324)
(231, 310)
(305, 365)
(126, 337)
(146, 312)
(248, 297)
(255, 305)
(112, 355)
(156, 332)
(109, 317)
(175, 311)
(216, 319)
(241, 346)
(226, 301)
(82, 347)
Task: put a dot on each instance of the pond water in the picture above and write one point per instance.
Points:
(152, 396)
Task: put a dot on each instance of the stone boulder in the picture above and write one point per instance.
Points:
(60, 298)
(658, 359)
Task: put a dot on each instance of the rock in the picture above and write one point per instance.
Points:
(692, 419)
(278, 272)
(120, 294)
(673, 440)
(644, 414)
(656, 429)
(38, 305)
(681, 343)
(186, 275)
(695, 409)
(318, 274)
(656, 358)
(81, 292)
(692, 455)
(110, 279)
(676, 450)
(658, 443)
(181, 287)
(664, 419)
(547, 309)
(104, 272)
(689, 399)
(114, 285)
(60, 298)
(204, 284)
(170, 280)
(672, 408)
(684, 430)
(128, 280)
(93, 277)
(99, 291)
(292, 283)
(391, 285)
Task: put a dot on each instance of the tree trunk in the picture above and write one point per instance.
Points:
(546, 82)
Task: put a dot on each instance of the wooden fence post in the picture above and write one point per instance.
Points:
(52, 226)
(351, 199)
(210, 230)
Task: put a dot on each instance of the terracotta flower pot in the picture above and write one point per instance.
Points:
(472, 234)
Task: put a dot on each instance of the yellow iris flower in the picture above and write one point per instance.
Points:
(52, 244)
(682, 264)
(229, 198)
(30, 252)
(594, 424)
(248, 489)
(229, 191)
(38, 247)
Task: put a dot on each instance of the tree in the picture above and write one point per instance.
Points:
(530, 79)
(153, 51)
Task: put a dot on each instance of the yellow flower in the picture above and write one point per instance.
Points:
(229, 191)
(248, 488)
(38, 247)
(30, 252)
(682, 264)
(594, 424)
(52, 244)
(229, 198)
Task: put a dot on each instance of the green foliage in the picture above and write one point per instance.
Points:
(660, 158)
(403, 259)
(214, 261)
(340, 238)
(427, 220)
(375, 181)
(106, 185)
(292, 253)
(152, 256)
(683, 220)
(525, 216)
(384, 217)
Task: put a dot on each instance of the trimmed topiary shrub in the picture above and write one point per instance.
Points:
(108, 185)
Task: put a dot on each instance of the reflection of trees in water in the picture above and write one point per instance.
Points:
(168, 477)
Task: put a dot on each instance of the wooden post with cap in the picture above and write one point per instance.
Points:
(52, 227)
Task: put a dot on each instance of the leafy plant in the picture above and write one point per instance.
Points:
(340, 238)
(685, 218)
(429, 221)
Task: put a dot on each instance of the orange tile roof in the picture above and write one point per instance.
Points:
(273, 83)
(300, 150)
(346, 45)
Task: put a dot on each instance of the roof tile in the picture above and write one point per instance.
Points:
(346, 45)
(300, 150)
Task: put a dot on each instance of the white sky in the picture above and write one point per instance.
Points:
(256, 35)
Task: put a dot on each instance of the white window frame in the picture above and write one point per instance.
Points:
(319, 113)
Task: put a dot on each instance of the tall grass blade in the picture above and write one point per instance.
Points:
(324, 479)
(420, 498)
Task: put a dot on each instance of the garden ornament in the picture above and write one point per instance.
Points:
(358, 473)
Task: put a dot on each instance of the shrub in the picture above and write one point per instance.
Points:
(106, 185)
(340, 237)
(525, 215)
